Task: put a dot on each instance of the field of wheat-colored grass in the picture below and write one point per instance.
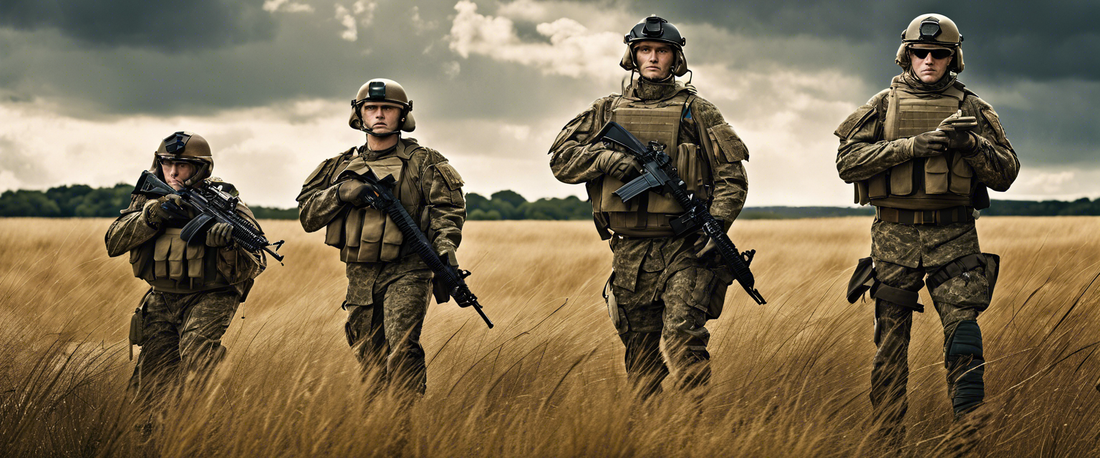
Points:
(790, 377)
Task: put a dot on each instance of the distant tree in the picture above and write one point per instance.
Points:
(513, 198)
(27, 203)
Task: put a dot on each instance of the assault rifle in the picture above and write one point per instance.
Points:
(214, 206)
(449, 281)
(659, 175)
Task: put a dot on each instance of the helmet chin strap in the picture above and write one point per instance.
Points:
(383, 135)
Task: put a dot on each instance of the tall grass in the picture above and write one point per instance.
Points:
(790, 378)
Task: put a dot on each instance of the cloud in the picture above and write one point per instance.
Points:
(572, 49)
(287, 6)
(344, 17)
(169, 25)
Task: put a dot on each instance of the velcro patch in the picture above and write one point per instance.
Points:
(733, 149)
(450, 175)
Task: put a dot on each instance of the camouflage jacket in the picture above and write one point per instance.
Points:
(440, 212)
(573, 161)
(864, 153)
(132, 233)
(573, 158)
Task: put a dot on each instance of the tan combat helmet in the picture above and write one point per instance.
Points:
(382, 90)
(931, 30)
(185, 147)
(654, 28)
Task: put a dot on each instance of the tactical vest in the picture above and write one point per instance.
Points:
(648, 215)
(931, 183)
(170, 264)
(369, 235)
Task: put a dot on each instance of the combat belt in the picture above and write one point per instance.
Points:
(863, 279)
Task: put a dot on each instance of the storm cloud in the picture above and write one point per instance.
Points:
(268, 82)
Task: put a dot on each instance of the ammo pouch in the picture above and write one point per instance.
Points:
(989, 261)
(863, 279)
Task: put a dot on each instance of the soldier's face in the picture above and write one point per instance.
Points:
(929, 68)
(176, 172)
(654, 59)
(381, 117)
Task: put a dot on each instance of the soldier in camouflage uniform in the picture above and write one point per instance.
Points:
(194, 288)
(388, 284)
(924, 152)
(662, 286)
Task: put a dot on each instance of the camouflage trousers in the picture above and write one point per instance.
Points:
(958, 300)
(182, 341)
(385, 334)
(669, 306)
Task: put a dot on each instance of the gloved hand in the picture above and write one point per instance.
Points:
(351, 192)
(447, 254)
(167, 209)
(618, 164)
(930, 144)
(219, 234)
(960, 132)
(704, 244)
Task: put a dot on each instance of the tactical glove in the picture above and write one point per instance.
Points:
(704, 244)
(960, 132)
(166, 210)
(447, 253)
(351, 192)
(219, 235)
(929, 144)
(618, 164)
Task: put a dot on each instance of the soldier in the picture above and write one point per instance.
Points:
(923, 153)
(194, 288)
(388, 284)
(662, 286)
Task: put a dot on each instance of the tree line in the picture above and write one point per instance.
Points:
(85, 201)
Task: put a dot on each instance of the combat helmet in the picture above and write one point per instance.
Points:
(654, 28)
(188, 147)
(931, 30)
(382, 90)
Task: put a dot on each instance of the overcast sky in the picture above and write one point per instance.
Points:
(88, 89)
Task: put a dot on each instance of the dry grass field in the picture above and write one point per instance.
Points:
(790, 378)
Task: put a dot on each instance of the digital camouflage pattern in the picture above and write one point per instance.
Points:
(904, 254)
(182, 330)
(182, 341)
(441, 195)
(387, 301)
(385, 333)
(662, 288)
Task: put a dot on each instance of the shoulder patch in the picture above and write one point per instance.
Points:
(450, 175)
(995, 124)
(731, 147)
(860, 117)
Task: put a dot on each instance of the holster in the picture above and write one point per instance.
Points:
(863, 279)
(137, 336)
(989, 261)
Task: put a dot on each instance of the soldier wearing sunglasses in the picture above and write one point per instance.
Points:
(924, 152)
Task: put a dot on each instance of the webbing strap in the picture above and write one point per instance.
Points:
(942, 217)
(897, 296)
(954, 269)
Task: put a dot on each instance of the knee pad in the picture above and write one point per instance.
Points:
(617, 314)
(965, 365)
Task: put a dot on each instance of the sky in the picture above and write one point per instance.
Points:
(88, 88)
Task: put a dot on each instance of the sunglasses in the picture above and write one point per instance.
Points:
(936, 53)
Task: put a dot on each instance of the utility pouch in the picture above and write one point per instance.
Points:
(137, 337)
